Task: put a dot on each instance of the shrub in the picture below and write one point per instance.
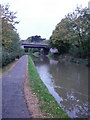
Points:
(8, 57)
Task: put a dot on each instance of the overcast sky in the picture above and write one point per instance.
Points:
(39, 17)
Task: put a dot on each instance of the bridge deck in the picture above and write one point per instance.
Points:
(30, 45)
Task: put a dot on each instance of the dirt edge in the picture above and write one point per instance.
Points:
(31, 99)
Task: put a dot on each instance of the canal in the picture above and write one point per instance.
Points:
(68, 84)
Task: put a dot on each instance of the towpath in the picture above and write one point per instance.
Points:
(13, 101)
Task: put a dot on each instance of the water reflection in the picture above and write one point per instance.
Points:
(68, 83)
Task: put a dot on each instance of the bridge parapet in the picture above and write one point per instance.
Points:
(35, 45)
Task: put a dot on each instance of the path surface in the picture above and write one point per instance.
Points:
(14, 105)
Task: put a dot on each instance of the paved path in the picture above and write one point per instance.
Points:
(14, 105)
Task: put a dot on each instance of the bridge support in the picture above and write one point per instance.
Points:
(44, 51)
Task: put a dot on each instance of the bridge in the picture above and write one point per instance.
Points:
(43, 46)
(34, 45)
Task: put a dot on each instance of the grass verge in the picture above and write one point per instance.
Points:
(49, 104)
(36, 54)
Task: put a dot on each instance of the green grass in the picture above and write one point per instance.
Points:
(50, 55)
(36, 54)
(49, 104)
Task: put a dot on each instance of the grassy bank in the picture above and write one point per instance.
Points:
(49, 104)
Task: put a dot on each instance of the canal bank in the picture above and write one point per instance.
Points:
(69, 58)
(48, 104)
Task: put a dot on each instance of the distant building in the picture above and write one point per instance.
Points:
(53, 50)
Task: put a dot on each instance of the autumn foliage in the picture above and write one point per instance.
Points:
(10, 37)
(72, 34)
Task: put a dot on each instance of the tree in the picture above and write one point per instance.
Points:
(8, 28)
(61, 36)
(74, 30)
(35, 38)
(10, 37)
(80, 25)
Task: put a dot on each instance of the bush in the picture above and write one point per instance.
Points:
(77, 52)
(73, 50)
(8, 57)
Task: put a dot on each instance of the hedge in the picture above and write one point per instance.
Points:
(8, 57)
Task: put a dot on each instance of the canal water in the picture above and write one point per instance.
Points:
(68, 84)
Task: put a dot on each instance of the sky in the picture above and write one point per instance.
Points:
(40, 17)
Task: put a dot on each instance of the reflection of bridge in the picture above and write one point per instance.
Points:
(45, 47)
